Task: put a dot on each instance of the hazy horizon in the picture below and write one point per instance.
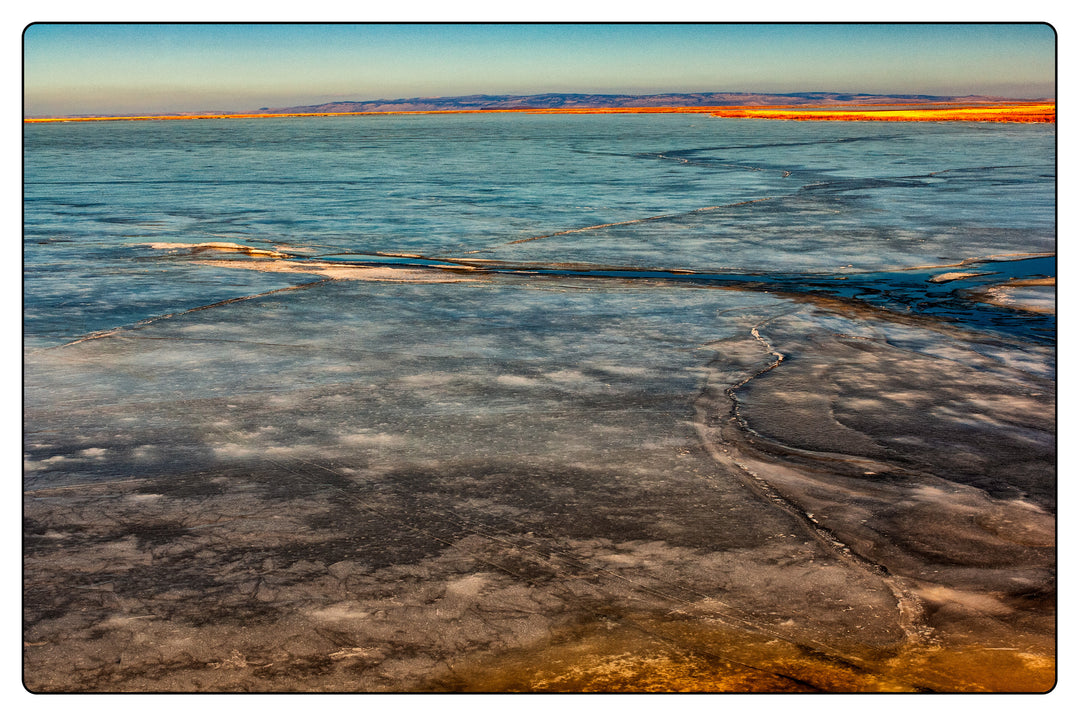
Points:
(71, 69)
(421, 98)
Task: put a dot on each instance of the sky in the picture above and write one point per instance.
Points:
(159, 68)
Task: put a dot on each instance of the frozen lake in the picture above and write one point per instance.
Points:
(539, 402)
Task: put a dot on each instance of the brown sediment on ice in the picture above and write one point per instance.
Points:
(340, 271)
(300, 588)
(217, 247)
(286, 580)
(653, 656)
(1043, 281)
(979, 259)
(1034, 295)
(286, 263)
(955, 275)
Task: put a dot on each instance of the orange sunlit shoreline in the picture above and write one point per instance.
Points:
(1043, 112)
(938, 112)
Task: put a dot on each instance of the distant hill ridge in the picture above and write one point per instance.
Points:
(600, 101)
(578, 101)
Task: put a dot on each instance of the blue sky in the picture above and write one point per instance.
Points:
(109, 68)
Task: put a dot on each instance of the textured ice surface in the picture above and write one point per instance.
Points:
(241, 476)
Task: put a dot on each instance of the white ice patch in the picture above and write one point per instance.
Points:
(341, 611)
(236, 450)
(144, 497)
(31, 465)
(975, 601)
(618, 370)
(568, 376)
(434, 378)
(144, 452)
(911, 399)
(469, 586)
(367, 438)
(517, 381)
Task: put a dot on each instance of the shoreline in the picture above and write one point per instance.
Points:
(1026, 113)
(1040, 112)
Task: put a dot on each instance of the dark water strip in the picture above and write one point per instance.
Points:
(909, 291)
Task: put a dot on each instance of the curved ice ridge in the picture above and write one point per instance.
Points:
(719, 436)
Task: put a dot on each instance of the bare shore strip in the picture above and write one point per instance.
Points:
(1026, 112)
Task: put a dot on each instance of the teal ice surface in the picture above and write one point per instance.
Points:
(403, 354)
(684, 192)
